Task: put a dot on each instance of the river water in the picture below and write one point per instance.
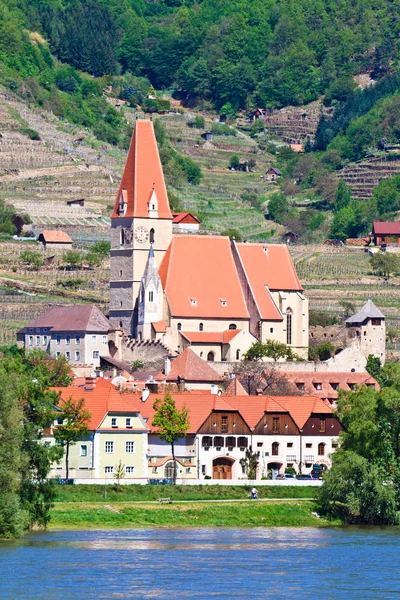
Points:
(248, 564)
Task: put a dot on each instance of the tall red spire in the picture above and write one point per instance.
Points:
(143, 177)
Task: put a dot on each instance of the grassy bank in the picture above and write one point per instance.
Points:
(274, 513)
(143, 493)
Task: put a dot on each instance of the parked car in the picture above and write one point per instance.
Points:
(285, 476)
(304, 476)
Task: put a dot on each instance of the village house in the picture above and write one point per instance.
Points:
(369, 328)
(185, 222)
(117, 432)
(386, 233)
(272, 174)
(285, 431)
(79, 332)
(204, 292)
(55, 240)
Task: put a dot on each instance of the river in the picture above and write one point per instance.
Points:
(248, 564)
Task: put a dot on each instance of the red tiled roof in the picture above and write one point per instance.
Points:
(211, 337)
(103, 398)
(143, 174)
(106, 398)
(159, 326)
(386, 228)
(269, 265)
(164, 460)
(190, 367)
(76, 317)
(55, 237)
(200, 278)
(184, 217)
(235, 388)
(326, 379)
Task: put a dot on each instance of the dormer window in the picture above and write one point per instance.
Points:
(300, 386)
(193, 301)
(223, 301)
(318, 386)
(122, 205)
(335, 386)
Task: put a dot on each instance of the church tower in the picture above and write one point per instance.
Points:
(141, 221)
(150, 298)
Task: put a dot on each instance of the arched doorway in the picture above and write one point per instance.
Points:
(222, 467)
(275, 468)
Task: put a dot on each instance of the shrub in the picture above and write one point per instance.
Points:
(31, 133)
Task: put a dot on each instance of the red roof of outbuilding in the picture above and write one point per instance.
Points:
(184, 217)
(200, 278)
(55, 237)
(386, 228)
(143, 174)
(190, 367)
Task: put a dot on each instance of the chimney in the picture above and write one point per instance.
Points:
(214, 389)
(90, 384)
(145, 394)
(167, 366)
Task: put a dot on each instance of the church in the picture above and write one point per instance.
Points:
(205, 292)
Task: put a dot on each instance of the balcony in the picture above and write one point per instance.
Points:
(291, 457)
(309, 458)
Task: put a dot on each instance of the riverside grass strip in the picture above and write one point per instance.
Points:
(140, 493)
(289, 513)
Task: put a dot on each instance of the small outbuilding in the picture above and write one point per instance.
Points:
(207, 136)
(272, 174)
(185, 222)
(55, 240)
(386, 232)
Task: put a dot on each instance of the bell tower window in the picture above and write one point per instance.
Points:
(152, 236)
(122, 237)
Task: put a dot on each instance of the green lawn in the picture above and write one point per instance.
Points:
(144, 493)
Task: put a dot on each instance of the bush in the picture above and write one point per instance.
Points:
(222, 129)
(31, 258)
(31, 133)
(197, 123)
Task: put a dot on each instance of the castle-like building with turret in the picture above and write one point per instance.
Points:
(206, 292)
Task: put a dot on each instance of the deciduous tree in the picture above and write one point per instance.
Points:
(170, 422)
(75, 425)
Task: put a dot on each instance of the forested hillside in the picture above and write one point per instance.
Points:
(245, 52)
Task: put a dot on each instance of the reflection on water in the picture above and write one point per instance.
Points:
(205, 563)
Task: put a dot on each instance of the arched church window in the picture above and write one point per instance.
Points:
(210, 356)
(289, 326)
(232, 326)
(152, 236)
(179, 326)
(201, 326)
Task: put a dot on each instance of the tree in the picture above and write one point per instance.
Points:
(269, 349)
(250, 463)
(363, 484)
(348, 308)
(74, 426)
(92, 259)
(343, 196)
(278, 207)
(232, 233)
(31, 257)
(170, 422)
(385, 263)
(119, 474)
(102, 248)
(234, 162)
(72, 258)
(373, 366)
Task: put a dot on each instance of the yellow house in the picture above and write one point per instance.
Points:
(117, 433)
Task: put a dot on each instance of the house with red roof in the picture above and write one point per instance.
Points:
(55, 240)
(185, 222)
(284, 431)
(204, 292)
(384, 232)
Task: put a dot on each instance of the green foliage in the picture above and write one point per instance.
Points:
(269, 349)
(373, 366)
(278, 207)
(31, 257)
(250, 463)
(232, 233)
(26, 409)
(349, 308)
(321, 319)
(222, 129)
(197, 123)
(353, 220)
(31, 133)
(234, 162)
(71, 284)
(387, 195)
(119, 474)
(323, 351)
(363, 484)
(170, 422)
(137, 364)
(385, 263)
(72, 258)
(343, 196)
(74, 426)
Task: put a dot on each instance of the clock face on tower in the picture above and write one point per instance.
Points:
(141, 234)
(128, 235)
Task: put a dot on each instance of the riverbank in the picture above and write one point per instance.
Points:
(140, 493)
(246, 513)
